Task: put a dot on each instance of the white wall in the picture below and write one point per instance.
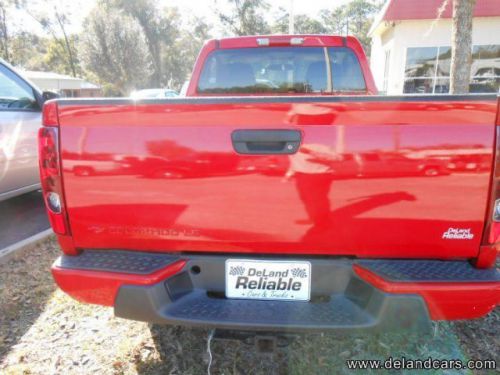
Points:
(419, 33)
(53, 84)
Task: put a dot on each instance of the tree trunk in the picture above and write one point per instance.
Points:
(4, 34)
(68, 45)
(461, 46)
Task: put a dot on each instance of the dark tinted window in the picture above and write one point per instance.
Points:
(421, 62)
(346, 71)
(261, 70)
(280, 70)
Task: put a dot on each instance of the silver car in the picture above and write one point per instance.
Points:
(153, 94)
(20, 119)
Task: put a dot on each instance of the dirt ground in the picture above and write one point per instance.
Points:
(43, 331)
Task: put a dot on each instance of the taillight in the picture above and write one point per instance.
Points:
(490, 244)
(493, 220)
(50, 169)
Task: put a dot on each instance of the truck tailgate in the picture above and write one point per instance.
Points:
(387, 177)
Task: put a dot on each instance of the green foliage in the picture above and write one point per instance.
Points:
(160, 30)
(115, 50)
(334, 20)
(170, 48)
(355, 18)
(54, 22)
(180, 56)
(246, 17)
(360, 14)
(57, 59)
(135, 44)
(27, 50)
(303, 24)
(4, 31)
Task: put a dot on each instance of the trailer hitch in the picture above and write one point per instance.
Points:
(264, 342)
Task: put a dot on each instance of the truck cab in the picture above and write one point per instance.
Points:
(282, 65)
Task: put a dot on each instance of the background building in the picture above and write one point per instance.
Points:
(64, 85)
(411, 49)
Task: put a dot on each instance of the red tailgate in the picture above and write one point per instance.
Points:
(372, 177)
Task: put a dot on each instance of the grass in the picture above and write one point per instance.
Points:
(43, 331)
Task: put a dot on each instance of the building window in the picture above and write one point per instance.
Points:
(427, 70)
(423, 67)
(485, 70)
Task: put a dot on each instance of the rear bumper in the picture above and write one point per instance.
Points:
(346, 294)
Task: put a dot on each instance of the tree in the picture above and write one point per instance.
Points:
(175, 68)
(28, 50)
(360, 15)
(4, 31)
(170, 48)
(334, 20)
(246, 17)
(303, 24)
(115, 50)
(355, 18)
(169, 45)
(181, 55)
(198, 32)
(54, 23)
(159, 30)
(56, 59)
(461, 46)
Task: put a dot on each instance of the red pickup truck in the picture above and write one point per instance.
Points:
(281, 194)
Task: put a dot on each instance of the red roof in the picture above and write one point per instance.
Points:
(427, 9)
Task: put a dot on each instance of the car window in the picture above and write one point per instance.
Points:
(346, 71)
(280, 70)
(15, 94)
(265, 70)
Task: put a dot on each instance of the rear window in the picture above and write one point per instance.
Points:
(280, 70)
(346, 71)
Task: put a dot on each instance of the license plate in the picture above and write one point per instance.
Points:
(268, 279)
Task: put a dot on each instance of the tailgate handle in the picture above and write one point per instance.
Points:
(266, 141)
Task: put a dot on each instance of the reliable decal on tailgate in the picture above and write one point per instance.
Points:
(458, 234)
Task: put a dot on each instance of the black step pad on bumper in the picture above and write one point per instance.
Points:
(132, 262)
(339, 313)
(429, 271)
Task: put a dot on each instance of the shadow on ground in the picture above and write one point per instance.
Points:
(22, 217)
(25, 287)
(42, 332)
(183, 350)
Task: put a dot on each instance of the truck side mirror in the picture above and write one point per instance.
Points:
(47, 95)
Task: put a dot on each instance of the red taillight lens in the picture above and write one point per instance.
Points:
(50, 170)
(50, 116)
